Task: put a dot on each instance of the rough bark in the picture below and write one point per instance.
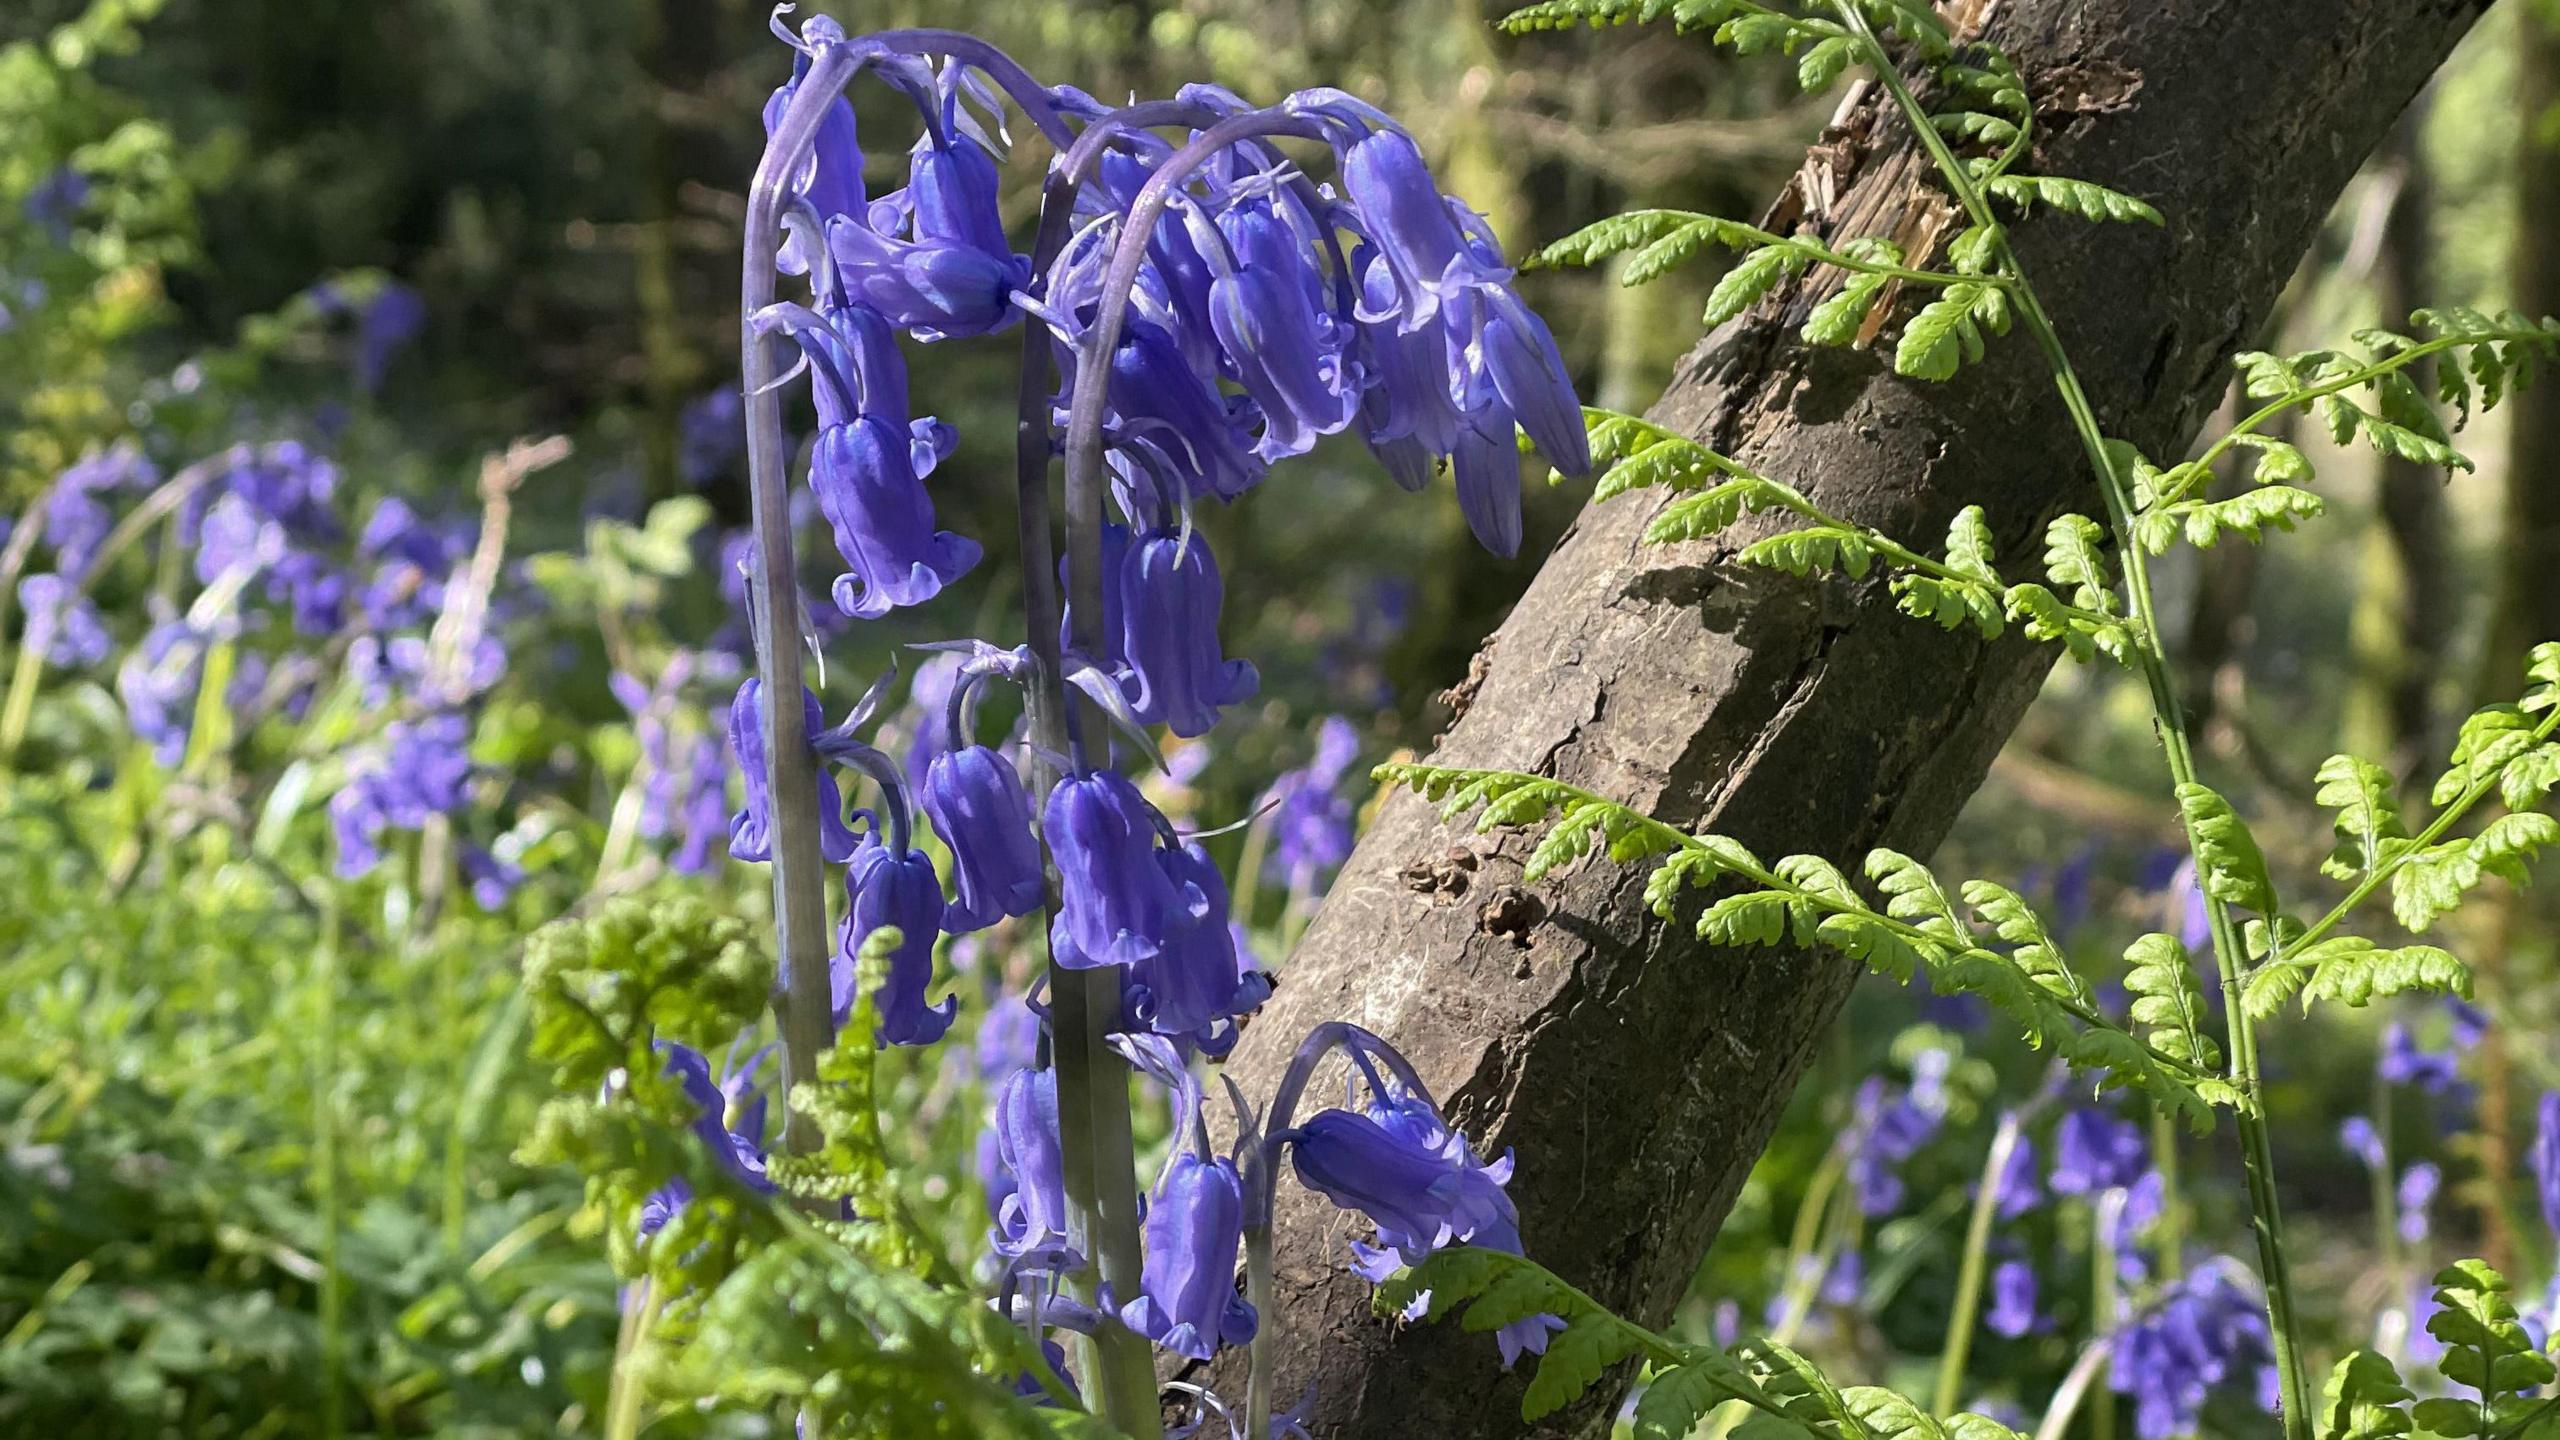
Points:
(1637, 1072)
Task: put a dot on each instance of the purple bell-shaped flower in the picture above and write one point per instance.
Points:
(883, 888)
(1402, 1166)
(1412, 225)
(1170, 598)
(1167, 411)
(869, 464)
(751, 829)
(1487, 463)
(1192, 990)
(952, 273)
(1195, 1223)
(1269, 315)
(1118, 903)
(1528, 372)
(1034, 1215)
(979, 808)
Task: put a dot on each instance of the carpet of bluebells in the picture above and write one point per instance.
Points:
(308, 727)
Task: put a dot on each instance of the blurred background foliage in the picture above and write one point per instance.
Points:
(257, 1126)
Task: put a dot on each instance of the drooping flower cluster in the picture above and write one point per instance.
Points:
(285, 584)
(1397, 1162)
(1210, 310)
(2206, 1331)
(1887, 1129)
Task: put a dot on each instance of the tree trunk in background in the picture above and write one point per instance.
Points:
(1637, 1072)
(2527, 601)
(2409, 585)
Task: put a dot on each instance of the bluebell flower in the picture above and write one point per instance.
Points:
(1844, 1281)
(1196, 984)
(410, 559)
(1033, 1215)
(1268, 312)
(1487, 465)
(2094, 1152)
(729, 1121)
(2470, 1023)
(869, 464)
(2546, 1160)
(2405, 1062)
(735, 1141)
(53, 202)
(1195, 1222)
(2187, 909)
(979, 808)
(76, 513)
(2362, 1141)
(289, 484)
(1528, 372)
(1408, 414)
(1164, 411)
(1118, 904)
(933, 257)
(2206, 1331)
(2013, 1300)
(2417, 1195)
(1312, 821)
(711, 432)
(2018, 1189)
(391, 321)
(925, 721)
(61, 625)
(1006, 1041)
(1411, 224)
(493, 878)
(158, 681)
(235, 537)
(1886, 1132)
(883, 888)
(1420, 1183)
(1170, 598)
(314, 590)
(1035, 1388)
(421, 770)
(751, 830)
(829, 181)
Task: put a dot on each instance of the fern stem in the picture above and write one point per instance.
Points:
(2203, 464)
(2381, 874)
(2170, 721)
(1822, 254)
(1969, 1273)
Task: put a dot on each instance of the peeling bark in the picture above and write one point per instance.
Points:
(1637, 1072)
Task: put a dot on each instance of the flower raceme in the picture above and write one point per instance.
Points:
(1258, 312)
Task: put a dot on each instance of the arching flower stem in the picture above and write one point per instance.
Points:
(1261, 1179)
(802, 940)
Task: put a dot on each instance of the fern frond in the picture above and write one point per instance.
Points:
(2078, 197)
(2169, 999)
